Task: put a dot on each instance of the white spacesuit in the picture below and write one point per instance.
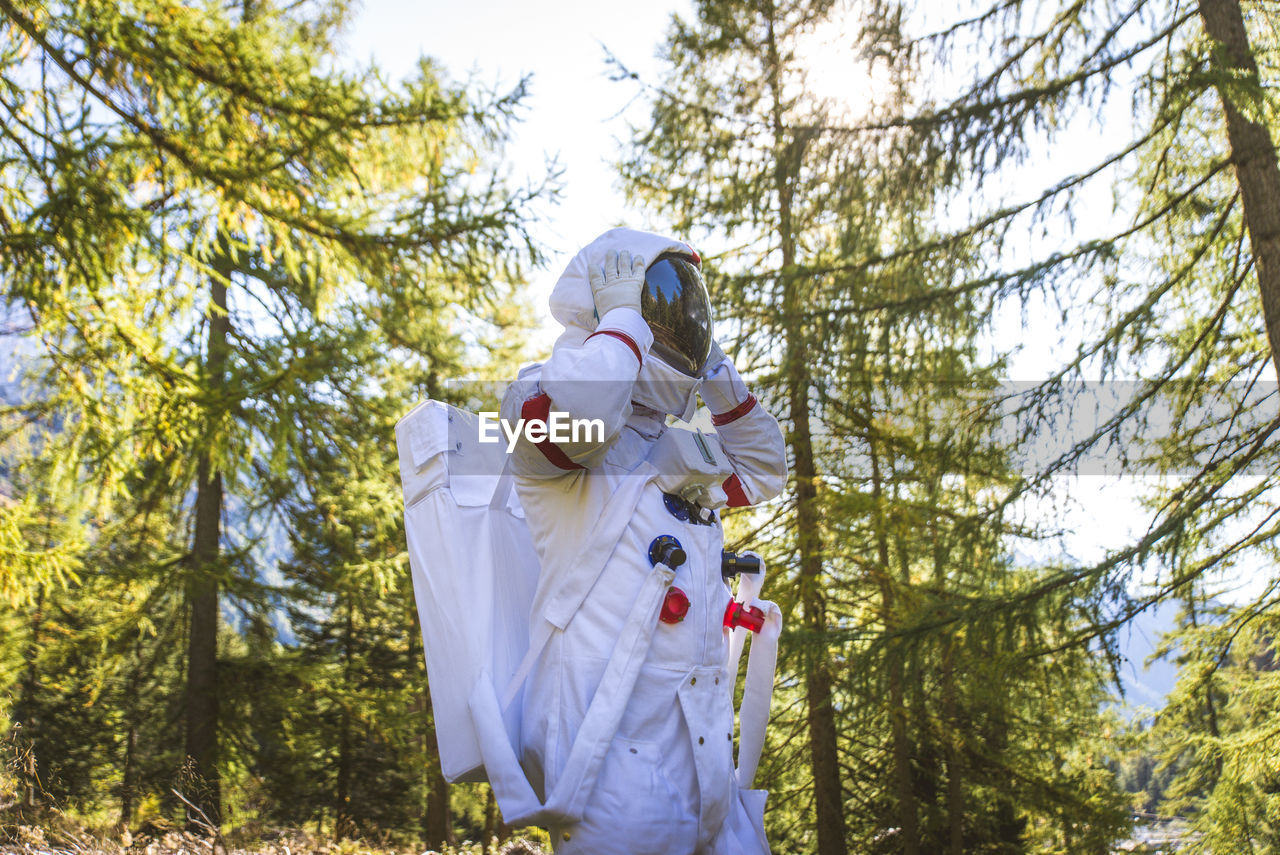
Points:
(607, 613)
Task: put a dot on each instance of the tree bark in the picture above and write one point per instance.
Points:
(203, 585)
(344, 825)
(128, 784)
(129, 772)
(823, 744)
(1254, 156)
(951, 735)
(895, 670)
(23, 712)
(823, 747)
(438, 823)
(437, 817)
(494, 829)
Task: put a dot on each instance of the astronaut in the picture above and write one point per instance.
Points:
(630, 632)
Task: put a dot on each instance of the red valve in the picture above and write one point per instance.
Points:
(736, 614)
(674, 606)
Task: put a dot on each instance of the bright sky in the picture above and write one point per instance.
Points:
(573, 112)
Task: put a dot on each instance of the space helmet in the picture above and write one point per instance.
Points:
(675, 305)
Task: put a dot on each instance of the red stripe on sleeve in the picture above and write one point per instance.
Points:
(538, 409)
(733, 490)
(622, 337)
(734, 414)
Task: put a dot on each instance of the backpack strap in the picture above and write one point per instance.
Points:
(757, 693)
(502, 489)
(567, 800)
(749, 585)
(589, 563)
(539, 637)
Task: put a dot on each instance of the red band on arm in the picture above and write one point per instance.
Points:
(733, 490)
(736, 413)
(622, 337)
(538, 409)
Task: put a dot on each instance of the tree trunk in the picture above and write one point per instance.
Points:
(437, 818)
(823, 744)
(494, 829)
(24, 720)
(950, 736)
(903, 783)
(1254, 156)
(823, 747)
(202, 650)
(1007, 826)
(438, 823)
(128, 784)
(133, 715)
(344, 823)
(202, 588)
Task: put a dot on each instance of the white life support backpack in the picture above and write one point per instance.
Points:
(475, 572)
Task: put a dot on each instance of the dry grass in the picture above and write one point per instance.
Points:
(34, 840)
(46, 830)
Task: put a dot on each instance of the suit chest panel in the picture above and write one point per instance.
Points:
(698, 639)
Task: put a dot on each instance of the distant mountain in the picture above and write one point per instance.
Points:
(1146, 685)
(10, 394)
(9, 360)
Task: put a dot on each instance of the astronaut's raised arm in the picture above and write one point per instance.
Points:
(750, 436)
(588, 385)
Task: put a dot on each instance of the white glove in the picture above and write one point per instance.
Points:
(617, 284)
(722, 388)
(714, 358)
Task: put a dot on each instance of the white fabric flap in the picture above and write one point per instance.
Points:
(421, 437)
(427, 426)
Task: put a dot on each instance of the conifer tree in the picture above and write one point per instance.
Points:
(898, 519)
(1176, 292)
(188, 192)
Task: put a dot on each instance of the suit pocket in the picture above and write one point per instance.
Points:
(634, 797)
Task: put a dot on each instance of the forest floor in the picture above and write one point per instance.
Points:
(32, 840)
(67, 840)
